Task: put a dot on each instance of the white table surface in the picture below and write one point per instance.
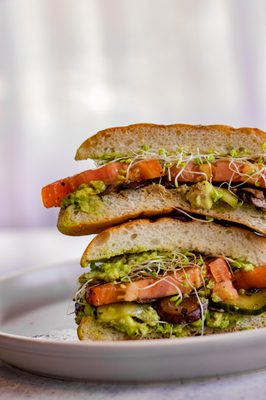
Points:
(21, 249)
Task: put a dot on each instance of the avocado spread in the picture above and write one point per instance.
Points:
(140, 320)
(120, 267)
(132, 318)
(222, 320)
(86, 197)
(205, 195)
(147, 263)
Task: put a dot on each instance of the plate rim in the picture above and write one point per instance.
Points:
(14, 274)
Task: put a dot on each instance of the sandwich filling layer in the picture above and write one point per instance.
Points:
(232, 172)
(170, 294)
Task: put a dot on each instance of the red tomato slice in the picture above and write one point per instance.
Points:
(147, 169)
(223, 288)
(225, 291)
(146, 289)
(251, 279)
(223, 172)
(111, 174)
(219, 270)
(219, 171)
(53, 194)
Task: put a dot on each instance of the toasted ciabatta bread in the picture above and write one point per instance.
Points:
(148, 201)
(90, 329)
(128, 140)
(169, 234)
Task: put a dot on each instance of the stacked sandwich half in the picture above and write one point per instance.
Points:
(180, 211)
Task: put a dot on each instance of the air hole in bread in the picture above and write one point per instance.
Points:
(102, 238)
(134, 236)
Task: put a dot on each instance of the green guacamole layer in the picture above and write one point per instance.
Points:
(147, 263)
(86, 197)
(141, 320)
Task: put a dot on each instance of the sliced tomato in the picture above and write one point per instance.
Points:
(147, 169)
(185, 174)
(225, 171)
(219, 171)
(223, 287)
(219, 270)
(251, 279)
(146, 289)
(115, 173)
(53, 194)
(111, 174)
(225, 291)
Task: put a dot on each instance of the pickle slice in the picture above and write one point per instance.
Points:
(249, 303)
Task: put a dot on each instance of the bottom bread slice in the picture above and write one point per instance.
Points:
(150, 201)
(90, 329)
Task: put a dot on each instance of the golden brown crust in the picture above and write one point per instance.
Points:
(90, 148)
(88, 228)
(225, 129)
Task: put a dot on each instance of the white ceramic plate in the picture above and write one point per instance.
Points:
(36, 303)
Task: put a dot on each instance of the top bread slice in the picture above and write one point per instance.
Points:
(126, 141)
(169, 234)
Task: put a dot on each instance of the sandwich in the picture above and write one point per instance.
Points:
(170, 278)
(180, 215)
(144, 170)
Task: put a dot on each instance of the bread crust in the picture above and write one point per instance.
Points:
(152, 200)
(90, 228)
(126, 140)
(90, 329)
